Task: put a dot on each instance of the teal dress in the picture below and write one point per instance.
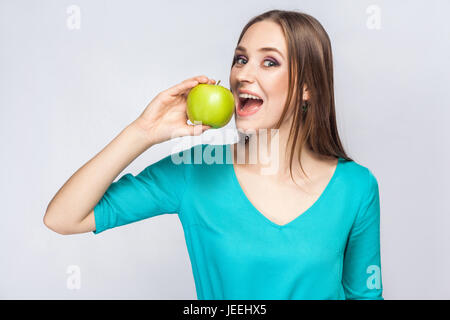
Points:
(330, 251)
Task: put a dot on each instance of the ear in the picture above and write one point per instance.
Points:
(305, 92)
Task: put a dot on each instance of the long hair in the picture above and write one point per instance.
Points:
(310, 63)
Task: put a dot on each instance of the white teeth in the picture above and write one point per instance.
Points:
(248, 96)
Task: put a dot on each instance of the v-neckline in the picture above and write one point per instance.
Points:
(298, 217)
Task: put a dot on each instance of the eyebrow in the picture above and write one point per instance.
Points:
(262, 49)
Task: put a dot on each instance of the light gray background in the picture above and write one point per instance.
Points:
(65, 94)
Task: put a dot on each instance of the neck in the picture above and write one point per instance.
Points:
(266, 153)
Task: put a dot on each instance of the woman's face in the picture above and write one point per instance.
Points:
(263, 72)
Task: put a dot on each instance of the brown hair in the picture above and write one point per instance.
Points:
(310, 63)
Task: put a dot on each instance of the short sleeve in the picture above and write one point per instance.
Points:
(361, 277)
(156, 190)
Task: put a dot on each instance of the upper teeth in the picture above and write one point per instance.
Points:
(248, 96)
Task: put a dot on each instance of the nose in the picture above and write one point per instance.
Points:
(246, 73)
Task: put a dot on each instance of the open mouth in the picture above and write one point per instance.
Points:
(249, 103)
(248, 106)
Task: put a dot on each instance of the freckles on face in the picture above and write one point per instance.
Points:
(262, 71)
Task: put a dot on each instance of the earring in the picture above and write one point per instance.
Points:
(305, 106)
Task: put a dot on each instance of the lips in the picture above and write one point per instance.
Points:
(243, 100)
(248, 109)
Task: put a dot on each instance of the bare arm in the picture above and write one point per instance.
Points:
(71, 209)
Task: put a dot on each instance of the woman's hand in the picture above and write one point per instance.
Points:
(165, 116)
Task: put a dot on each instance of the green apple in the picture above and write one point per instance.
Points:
(211, 104)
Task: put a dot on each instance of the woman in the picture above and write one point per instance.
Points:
(310, 233)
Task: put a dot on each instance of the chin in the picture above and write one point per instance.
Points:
(247, 128)
(253, 126)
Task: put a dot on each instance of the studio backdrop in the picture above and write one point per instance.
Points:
(73, 74)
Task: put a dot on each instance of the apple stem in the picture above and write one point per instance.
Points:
(217, 83)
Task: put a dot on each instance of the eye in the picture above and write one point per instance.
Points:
(273, 63)
(237, 58)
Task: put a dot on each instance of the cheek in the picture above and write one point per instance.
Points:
(276, 90)
(276, 83)
(277, 94)
(232, 79)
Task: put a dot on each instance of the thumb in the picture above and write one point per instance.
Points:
(199, 129)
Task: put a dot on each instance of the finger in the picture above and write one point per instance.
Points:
(201, 78)
(204, 79)
(182, 87)
(186, 85)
